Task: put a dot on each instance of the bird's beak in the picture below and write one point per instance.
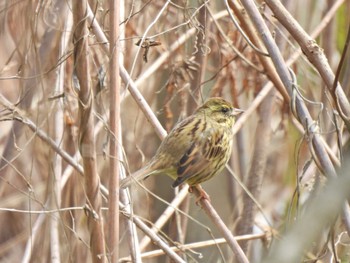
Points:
(237, 112)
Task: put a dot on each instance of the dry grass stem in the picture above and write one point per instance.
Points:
(86, 134)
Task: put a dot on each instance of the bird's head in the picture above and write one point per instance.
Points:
(220, 111)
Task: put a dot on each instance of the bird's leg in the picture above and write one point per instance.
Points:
(202, 193)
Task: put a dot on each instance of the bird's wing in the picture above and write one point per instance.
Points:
(199, 160)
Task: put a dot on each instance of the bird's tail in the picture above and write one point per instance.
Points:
(135, 177)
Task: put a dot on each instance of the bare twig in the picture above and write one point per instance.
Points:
(230, 239)
(18, 115)
(115, 129)
(156, 240)
(131, 232)
(340, 66)
(165, 216)
(201, 244)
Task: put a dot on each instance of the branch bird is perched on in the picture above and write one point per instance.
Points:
(197, 148)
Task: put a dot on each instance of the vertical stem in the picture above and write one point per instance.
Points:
(199, 52)
(114, 124)
(58, 132)
(257, 169)
(86, 133)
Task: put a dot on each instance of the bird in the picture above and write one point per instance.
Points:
(196, 149)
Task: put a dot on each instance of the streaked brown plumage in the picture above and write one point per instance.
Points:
(197, 148)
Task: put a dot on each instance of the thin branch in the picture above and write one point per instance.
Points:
(19, 116)
(153, 236)
(341, 62)
(214, 216)
(115, 130)
(202, 244)
(165, 216)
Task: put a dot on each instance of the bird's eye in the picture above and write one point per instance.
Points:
(224, 110)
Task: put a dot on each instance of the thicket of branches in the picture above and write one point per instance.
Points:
(89, 89)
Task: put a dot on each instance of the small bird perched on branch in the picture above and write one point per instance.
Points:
(196, 149)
